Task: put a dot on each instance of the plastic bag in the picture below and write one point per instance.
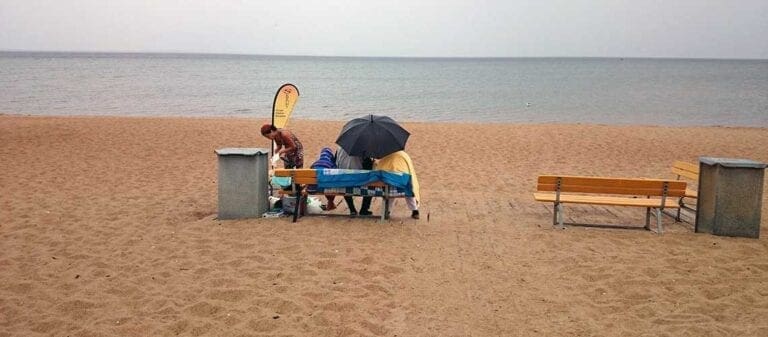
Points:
(314, 206)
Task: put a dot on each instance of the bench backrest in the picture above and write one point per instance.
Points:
(308, 176)
(602, 185)
(686, 169)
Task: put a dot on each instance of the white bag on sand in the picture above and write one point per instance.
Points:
(314, 206)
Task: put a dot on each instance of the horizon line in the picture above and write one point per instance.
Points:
(357, 56)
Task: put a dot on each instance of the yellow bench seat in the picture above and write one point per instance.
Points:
(606, 200)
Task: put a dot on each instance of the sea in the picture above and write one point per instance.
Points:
(675, 92)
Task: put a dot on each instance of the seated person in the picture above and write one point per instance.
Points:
(400, 162)
(328, 161)
(345, 161)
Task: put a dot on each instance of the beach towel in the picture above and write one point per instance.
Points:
(341, 178)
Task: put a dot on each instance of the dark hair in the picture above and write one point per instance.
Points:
(267, 128)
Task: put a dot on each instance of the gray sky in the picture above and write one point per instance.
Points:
(445, 28)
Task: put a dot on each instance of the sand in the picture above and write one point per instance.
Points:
(108, 228)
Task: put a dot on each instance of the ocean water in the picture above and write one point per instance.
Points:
(517, 90)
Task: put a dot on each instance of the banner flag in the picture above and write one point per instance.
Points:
(282, 106)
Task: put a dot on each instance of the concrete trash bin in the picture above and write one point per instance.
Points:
(243, 182)
(730, 197)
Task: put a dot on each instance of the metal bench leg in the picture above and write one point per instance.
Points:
(661, 207)
(557, 215)
(658, 220)
(679, 202)
(297, 207)
(648, 218)
(386, 202)
(384, 209)
(554, 215)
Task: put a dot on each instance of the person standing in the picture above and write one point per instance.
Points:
(289, 148)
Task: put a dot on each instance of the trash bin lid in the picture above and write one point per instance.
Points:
(732, 162)
(241, 151)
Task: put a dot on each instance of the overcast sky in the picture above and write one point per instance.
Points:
(443, 28)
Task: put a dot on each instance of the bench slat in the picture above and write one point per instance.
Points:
(686, 173)
(298, 173)
(305, 180)
(609, 190)
(686, 166)
(603, 185)
(602, 200)
(690, 193)
(689, 171)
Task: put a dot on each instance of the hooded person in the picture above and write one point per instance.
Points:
(400, 161)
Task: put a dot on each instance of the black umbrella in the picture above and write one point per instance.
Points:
(372, 136)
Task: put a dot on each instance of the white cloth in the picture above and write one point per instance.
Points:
(410, 201)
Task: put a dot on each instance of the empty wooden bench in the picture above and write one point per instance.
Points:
(647, 193)
(308, 177)
(686, 170)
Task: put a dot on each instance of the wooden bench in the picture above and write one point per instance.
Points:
(301, 178)
(560, 190)
(688, 171)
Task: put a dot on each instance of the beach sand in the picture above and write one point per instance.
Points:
(108, 228)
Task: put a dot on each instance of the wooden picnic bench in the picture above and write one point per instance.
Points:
(686, 170)
(302, 179)
(648, 193)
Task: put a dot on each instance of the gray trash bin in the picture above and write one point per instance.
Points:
(243, 182)
(730, 197)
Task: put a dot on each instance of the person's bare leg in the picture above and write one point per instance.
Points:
(331, 205)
